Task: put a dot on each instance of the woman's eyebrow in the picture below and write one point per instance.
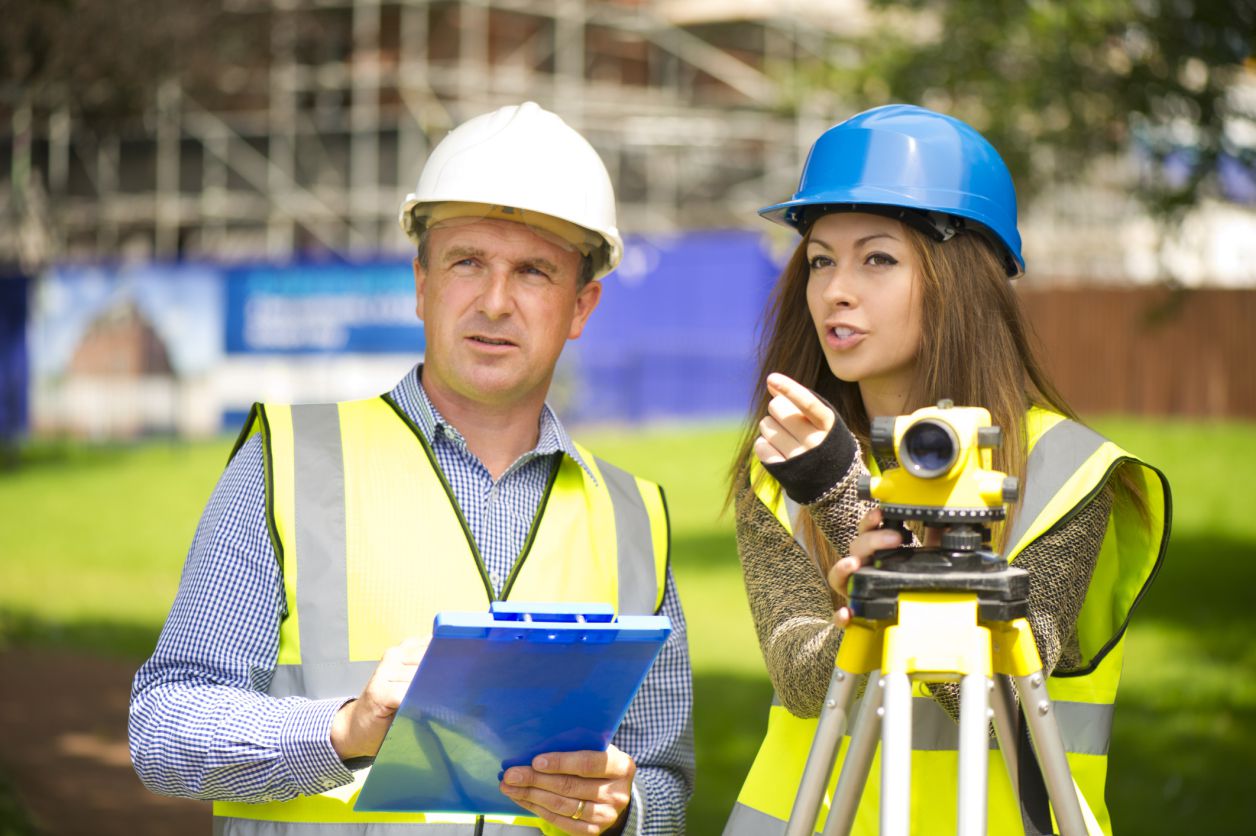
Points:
(874, 236)
(858, 243)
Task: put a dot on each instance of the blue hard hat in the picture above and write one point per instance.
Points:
(903, 157)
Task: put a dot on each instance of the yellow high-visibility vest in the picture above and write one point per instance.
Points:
(1068, 465)
(373, 545)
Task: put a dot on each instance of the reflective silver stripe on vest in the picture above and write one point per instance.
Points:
(1059, 453)
(321, 680)
(747, 821)
(1086, 727)
(322, 588)
(638, 585)
(253, 827)
(792, 510)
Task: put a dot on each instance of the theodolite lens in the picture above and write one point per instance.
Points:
(928, 448)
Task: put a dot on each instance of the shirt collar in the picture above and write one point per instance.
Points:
(412, 398)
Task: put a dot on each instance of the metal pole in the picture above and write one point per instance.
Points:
(1004, 703)
(858, 761)
(824, 746)
(974, 747)
(1049, 746)
(896, 756)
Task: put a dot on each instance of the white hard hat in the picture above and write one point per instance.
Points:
(513, 163)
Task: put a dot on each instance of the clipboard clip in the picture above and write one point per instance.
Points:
(552, 612)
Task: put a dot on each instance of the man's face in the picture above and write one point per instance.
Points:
(498, 304)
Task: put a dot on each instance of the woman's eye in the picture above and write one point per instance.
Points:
(819, 262)
(881, 260)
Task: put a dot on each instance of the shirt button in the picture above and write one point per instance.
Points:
(327, 783)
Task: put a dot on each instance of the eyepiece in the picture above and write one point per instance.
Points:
(928, 448)
(882, 435)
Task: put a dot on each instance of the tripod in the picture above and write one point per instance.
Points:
(954, 613)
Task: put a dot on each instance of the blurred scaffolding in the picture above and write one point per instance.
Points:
(176, 170)
(308, 144)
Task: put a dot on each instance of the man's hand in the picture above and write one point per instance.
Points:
(359, 727)
(579, 792)
(796, 422)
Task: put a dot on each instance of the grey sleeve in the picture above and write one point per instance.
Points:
(790, 605)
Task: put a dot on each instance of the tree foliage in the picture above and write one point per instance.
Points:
(1055, 85)
(102, 60)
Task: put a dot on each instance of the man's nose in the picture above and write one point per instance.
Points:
(495, 297)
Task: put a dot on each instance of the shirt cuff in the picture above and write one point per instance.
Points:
(305, 746)
(810, 475)
(636, 813)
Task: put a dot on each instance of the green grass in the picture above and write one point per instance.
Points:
(13, 818)
(92, 541)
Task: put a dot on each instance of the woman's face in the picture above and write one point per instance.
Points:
(863, 292)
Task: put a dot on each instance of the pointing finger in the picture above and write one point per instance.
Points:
(780, 437)
(807, 402)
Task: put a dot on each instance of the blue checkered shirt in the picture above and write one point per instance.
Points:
(201, 723)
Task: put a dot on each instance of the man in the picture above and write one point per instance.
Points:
(338, 531)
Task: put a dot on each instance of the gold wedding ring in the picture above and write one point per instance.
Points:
(579, 811)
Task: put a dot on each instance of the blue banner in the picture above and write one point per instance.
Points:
(311, 308)
(14, 362)
(676, 331)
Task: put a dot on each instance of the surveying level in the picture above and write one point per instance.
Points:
(947, 613)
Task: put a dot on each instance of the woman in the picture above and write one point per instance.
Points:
(899, 295)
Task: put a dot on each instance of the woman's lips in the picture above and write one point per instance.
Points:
(842, 337)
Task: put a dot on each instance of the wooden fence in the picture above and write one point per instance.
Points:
(1150, 351)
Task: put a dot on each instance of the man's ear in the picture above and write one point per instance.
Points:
(420, 278)
(586, 300)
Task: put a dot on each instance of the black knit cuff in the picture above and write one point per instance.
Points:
(808, 476)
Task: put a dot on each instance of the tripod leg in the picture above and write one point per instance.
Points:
(1004, 704)
(974, 746)
(1049, 746)
(824, 745)
(858, 761)
(896, 756)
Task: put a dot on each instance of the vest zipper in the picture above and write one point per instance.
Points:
(536, 524)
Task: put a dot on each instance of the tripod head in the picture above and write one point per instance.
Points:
(946, 481)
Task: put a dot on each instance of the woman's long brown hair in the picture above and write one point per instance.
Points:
(976, 348)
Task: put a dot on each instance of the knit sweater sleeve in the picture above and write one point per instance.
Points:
(789, 597)
(1060, 565)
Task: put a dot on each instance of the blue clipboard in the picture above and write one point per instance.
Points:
(496, 689)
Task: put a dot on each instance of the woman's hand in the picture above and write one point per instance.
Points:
(870, 538)
(797, 421)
